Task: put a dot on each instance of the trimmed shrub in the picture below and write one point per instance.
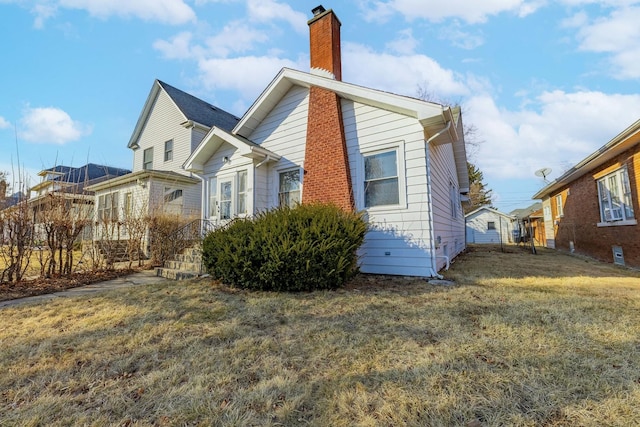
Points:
(311, 246)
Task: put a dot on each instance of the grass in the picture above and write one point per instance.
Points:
(520, 340)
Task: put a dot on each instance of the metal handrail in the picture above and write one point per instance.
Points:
(190, 233)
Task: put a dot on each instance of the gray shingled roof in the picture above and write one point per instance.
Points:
(200, 111)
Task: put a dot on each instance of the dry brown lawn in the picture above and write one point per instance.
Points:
(545, 340)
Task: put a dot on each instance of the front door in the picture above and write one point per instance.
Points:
(225, 199)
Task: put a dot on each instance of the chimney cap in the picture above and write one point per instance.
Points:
(318, 10)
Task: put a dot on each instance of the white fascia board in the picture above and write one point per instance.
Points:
(287, 78)
(213, 140)
(619, 144)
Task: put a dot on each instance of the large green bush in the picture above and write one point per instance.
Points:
(311, 246)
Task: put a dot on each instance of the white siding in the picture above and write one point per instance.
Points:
(448, 217)
(283, 131)
(478, 228)
(399, 241)
(140, 207)
(217, 167)
(163, 124)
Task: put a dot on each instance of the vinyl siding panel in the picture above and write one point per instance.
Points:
(478, 229)
(448, 217)
(163, 124)
(216, 167)
(283, 131)
(399, 239)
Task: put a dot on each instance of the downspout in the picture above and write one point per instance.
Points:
(203, 196)
(265, 160)
(434, 264)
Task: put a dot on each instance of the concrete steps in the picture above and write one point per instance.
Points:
(183, 266)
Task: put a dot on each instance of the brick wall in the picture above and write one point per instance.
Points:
(327, 177)
(324, 38)
(582, 214)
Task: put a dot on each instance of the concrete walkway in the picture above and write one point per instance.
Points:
(146, 277)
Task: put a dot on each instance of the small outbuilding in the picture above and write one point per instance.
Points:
(487, 225)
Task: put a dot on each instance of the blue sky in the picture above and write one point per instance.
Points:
(543, 83)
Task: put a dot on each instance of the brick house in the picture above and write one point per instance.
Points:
(592, 208)
(312, 137)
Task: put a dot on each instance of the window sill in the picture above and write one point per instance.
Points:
(385, 208)
(617, 223)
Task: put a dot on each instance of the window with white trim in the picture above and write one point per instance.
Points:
(128, 204)
(147, 159)
(454, 198)
(289, 188)
(172, 200)
(491, 225)
(108, 207)
(213, 197)
(381, 183)
(547, 213)
(614, 193)
(168, 150)
(559, 208)
(241, 203)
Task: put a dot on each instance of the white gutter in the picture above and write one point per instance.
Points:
(434, 264)
(266, 159)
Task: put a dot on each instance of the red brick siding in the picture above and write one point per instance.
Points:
(582, 214)
(324, 39)
(327, 177)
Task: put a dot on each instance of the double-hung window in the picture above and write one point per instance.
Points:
(559, 207)
(289, 188)
(242, 193)
(108, 207)
(168, 150)
(614, 193)
(381, 183)
(147, 159)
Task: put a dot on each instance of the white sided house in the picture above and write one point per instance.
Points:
(487, 225)
(311, 137)
(170, 127)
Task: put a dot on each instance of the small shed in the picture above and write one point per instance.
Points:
(487, 225)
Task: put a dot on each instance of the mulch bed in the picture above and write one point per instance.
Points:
(33, 287)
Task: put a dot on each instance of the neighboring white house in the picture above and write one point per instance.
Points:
(171, 124)
(488, 225)
(311, 137)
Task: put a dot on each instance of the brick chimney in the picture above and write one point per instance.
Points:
(327, 177)
(324, 37)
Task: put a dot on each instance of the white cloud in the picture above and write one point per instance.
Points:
(4, 124)
(438, 10)
(404, 44)
(173, 12)
(178, 47)
(271, 10)
(618, 35)
(235, 37)
(459, 38)
(50, 125)
(249, 75)
(363, 66)
(555, 130)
